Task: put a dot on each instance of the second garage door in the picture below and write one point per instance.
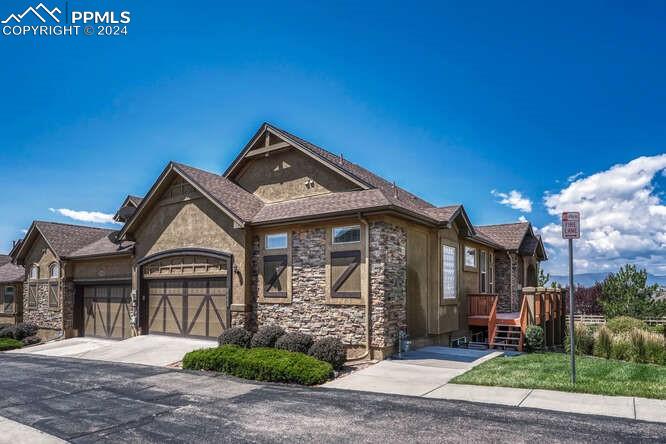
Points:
(187, 307)
(106, 311)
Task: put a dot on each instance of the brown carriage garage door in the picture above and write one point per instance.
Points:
(106, 311)
(187, 307)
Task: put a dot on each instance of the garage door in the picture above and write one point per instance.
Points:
(187, 307)
(106, 311)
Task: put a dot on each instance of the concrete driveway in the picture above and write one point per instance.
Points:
(419, 373)
(148, 349)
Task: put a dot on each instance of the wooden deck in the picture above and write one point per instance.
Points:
(512, 318)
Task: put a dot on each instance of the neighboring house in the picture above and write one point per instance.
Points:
(290, 234)
(11, 290)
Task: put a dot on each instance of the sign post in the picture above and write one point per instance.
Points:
(571, 231)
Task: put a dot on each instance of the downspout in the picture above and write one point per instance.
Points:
(368, 327)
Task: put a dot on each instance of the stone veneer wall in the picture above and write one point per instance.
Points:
(507, 272)
(388, 282)
(42, 315)
(308, 311)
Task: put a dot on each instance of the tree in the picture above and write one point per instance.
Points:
(588, 298)
(626, 293)
(543, 278)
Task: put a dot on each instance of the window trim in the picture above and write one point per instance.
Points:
(30, 276)
(267, 235)
(449, 300)
(360, 235)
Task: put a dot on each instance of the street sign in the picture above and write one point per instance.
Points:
(571, 225)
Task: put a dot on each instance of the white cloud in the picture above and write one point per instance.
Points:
(514, 199)
(24, 230)
(85, 216)
(522, 218)
(573, 177)
(623, 219)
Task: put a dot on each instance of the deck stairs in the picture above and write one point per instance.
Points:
(507, 337)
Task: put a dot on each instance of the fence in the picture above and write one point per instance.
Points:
(600, 319)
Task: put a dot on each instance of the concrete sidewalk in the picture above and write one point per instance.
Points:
(15, 432)
(426, 373)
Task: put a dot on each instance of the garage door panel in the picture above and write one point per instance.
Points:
(188, 307)
(106, 311)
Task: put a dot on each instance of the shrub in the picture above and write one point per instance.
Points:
(655, 348)
(534, 338)
(625, 324)
(9, 344)
(31, 340)
(236, 336)
(603, 344)
(267, 336)
(295, 342)
(24, 329)
(261, 364)
(659, 329)
(329, 350)
(584, 339)
(621, 348)
(7, 332)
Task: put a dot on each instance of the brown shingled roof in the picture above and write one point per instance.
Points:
(66, 239)
(135, 200)
(11, 273)
(238, 201)
(107, 245)
(4, 258)
(510, 236)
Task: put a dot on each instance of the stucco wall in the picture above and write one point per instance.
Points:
(289, 175)
(99, 269)
(192, 223)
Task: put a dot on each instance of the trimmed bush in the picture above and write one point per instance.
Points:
(235, 336)
(329, 350)
(295, 342)
(260, 364)
(583, 338)
(31, 340)
(534, 339)
(9, 344)
(625, 324)
(19, 331)
(603, 345)
(267, 336)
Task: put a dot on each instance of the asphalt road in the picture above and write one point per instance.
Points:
(91, 401)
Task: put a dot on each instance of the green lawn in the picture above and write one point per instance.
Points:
(551, 371)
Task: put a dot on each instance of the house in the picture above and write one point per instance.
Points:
(289, 234)
(11, 290)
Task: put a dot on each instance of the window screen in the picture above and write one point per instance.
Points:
(470, 257)
(483, 272)
(276, 241)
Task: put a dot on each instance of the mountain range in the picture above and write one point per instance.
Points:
(588, 279)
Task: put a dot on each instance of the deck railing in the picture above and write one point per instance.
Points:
(481, 304)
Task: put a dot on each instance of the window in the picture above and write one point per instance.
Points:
(483, 271)
(275, 276)
(470, 257)
(346, 274)
(32, 296)
(449, 272)
(276, 241)
(54, 271)
(53, 294)
(8, 300)
(346, 235)
(34, 272)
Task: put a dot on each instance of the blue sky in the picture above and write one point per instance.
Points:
(450, 100)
